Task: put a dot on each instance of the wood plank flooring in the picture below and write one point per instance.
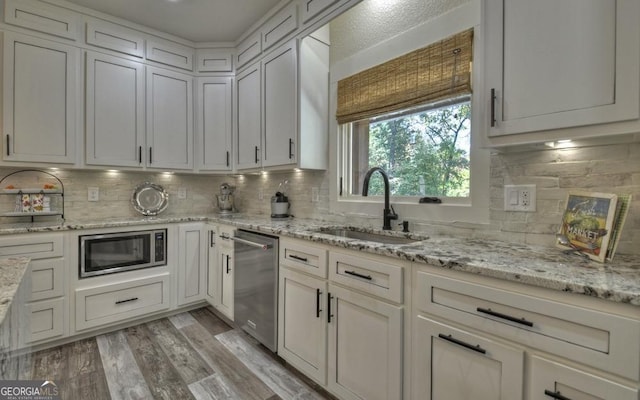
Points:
(192, 355)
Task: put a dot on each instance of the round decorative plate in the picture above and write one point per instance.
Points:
(150, 199)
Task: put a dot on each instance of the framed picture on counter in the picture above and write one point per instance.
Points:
(587, 223)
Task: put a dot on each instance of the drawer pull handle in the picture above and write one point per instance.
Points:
(451, 339)
(520, 321)
(318, 296)
(354, 273)
(303, 259)
(127, 300)
(555, 395)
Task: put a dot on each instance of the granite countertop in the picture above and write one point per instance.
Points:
(546, 267)
(12, 271)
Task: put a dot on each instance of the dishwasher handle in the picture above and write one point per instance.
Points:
(261, 246)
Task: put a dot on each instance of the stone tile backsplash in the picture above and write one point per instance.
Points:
(609, 169)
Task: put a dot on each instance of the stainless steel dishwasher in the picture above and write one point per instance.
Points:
(256, 286)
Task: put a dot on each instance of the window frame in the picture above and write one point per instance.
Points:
(470, 210)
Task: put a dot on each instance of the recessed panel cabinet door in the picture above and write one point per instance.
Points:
(302, 323)
(192, 264)
(169, 119)
(449, 363)
(226, 279)
(114, 111)
(213, 124)
(280, 106)
(365, 346)
(249, 117)
(555, 64)
(39, 100)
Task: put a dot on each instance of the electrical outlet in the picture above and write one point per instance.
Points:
(182, 193)
(315, 194)
(260, 194)
(93, 193)
(520, 198)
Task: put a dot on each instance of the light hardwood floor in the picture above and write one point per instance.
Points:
(193, 355)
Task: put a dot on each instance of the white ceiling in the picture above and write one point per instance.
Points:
(195, 20)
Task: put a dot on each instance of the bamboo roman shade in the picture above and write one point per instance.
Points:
(439, 71)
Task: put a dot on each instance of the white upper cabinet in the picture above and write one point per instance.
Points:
(115, 37)
(279, 26)
(170, 53)
(42, 17)
(114, 111)
(249, 120)
(280, 106)
(213, 123)
(311, 8)
(169, 118)
(214, 60)
(558, 64)
(39, 100)
(249, 49)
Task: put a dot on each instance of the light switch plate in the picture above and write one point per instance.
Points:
(520, 198)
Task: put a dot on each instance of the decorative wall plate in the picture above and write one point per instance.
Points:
(150, 199)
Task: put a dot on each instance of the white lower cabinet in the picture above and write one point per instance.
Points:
(552, 380)
(302, 323)
(46, 303)
(365, 346)
(454, 364)
(225, 270)
(107, 304)
(192, 263)
(212, 266)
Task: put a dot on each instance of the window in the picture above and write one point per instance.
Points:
(425, 151)
(416, 118)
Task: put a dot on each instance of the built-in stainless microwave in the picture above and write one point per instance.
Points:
(124, 251)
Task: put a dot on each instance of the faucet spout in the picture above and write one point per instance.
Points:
(388, 213)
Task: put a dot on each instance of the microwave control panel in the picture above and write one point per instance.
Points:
(160, 246)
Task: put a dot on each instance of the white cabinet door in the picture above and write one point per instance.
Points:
(114, 111)
(551, 380)
(452, 364)
(365, 346)
(192, 264)
(213, 124)
(169, 119)
(555, 64)
(213, 291)
(302, 323)
(311, 8)
(280, 106)
(249, 118)
(39, 100)
(225, 274)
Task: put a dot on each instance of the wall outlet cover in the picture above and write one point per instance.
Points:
(93, 193)
(520, 198)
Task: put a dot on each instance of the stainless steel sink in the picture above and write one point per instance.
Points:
(368, 236)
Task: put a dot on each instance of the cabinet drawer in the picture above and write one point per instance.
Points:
(47, 278)
(249, 49)
(279, 26)
(115, 37)
(603, 340)
(33, 246)
(377, 278)
(47, 320)
(173, 54)
(302, 257)
(42, 17)
(113, 303)
(551, 377)
(214, 60)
